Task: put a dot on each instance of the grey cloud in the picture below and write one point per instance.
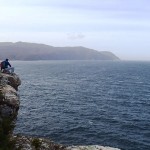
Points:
(75, 36)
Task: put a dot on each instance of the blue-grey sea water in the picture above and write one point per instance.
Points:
(86, 102)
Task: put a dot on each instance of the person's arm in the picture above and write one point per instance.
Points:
(9, 64)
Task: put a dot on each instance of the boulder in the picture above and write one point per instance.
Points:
(91, 147)
(13, 80)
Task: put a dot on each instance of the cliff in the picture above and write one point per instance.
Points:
(9, 106)
(34, 51)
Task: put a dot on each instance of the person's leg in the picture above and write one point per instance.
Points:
(10, 69)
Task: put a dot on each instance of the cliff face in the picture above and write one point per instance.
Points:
(9, 106)
(9, 99)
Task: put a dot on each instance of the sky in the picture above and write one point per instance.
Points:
(119, 26)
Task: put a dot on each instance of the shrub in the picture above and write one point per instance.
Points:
(36, 143)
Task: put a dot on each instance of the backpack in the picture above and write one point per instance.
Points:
(3, 65)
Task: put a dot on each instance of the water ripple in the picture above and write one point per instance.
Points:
(81, 102)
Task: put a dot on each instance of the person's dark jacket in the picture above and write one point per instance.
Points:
(7, 64)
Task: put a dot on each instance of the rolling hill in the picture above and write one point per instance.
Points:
(34, 51)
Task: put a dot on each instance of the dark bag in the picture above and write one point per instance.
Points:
(2, 65)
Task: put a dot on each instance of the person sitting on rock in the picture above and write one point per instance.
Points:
(6, 67)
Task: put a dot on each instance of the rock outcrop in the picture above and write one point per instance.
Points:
(9, 106)
(9, 99)
(90, 147)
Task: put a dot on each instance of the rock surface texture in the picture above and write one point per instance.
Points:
(91, 147)
(9, 106)
(9, 99)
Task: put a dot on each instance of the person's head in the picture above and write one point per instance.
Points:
(6, 59)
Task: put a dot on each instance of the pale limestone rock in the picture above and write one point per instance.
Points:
(10, 96)
(91, 147)
(13, 80)
(9, 101)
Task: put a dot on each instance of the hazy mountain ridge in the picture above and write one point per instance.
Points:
(34, 51)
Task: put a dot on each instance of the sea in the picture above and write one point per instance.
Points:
(85, 102)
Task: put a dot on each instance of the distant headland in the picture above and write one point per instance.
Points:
(35, 51)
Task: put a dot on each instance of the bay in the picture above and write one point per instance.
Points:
(86, 102)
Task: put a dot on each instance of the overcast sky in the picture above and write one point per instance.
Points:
(119, 26)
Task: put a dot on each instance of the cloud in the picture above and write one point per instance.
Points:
(75, 36)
